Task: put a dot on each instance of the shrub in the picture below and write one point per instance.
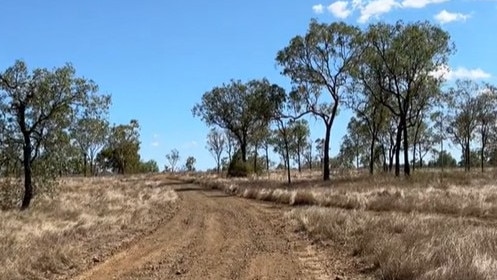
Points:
(238, 168)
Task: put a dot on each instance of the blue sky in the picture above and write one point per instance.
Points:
(157, 58)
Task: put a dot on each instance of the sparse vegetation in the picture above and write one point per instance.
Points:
(87, 221)
(433, 226)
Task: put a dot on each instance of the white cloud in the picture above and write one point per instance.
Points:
(372, 8)
(340, 9)
(420, 3)
(190, 145)
(155, 141)
(446, 17)
(376, 8)
(318, 9)
(461, 73)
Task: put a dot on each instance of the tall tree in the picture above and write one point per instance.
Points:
(463, 116)
(486, 114)
(173, 158)
(241, 108)
(121, 151)
(90, 135)
(400, 61)
(216, 143)
(38, 106)
(318, 64)
(190, 163)
(300, 132)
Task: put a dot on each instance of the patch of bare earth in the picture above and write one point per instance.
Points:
(215, 236)
(84, 224)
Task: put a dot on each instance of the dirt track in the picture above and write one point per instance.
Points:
(214, 236)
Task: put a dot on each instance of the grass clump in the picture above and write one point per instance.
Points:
(407, 246)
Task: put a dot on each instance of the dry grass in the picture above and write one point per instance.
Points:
(88, 220)
(456, 194)
(431, 226)
(407, 246)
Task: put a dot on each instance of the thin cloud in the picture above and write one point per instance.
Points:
(155, 140)
(369, 9)
(445, 17)
(376, 8)
(340, 9)
(190, 145)
(417, 4)
(461, 73)
(318, 9)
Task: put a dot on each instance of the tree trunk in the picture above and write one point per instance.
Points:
(85, 165)
(243, 149)
(468, 159)
(266, 148)
(298, 158)
(255, 159)
(287, 159)
(398, 141)
(326, 153)
(483, 156)
(28, 185)
(407, 165)
(413, 157)
(371, 156)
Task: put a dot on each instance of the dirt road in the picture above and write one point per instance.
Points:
(214, 236)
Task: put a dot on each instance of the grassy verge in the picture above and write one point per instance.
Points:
(87, 221)
(454, 195)
(407, 246)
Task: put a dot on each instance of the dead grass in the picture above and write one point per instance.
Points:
(88, 220)
(452, 194)
(407, 246)
(432, 226)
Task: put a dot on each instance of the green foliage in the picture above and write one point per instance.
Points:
(443, 159)
(173, 158)
(240, 108)
(38, 108)
(190, 163)
(216, 143)
(320, 62)
(120, 154)
(237, 167)
(150, 166)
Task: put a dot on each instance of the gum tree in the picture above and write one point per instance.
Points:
(39, 106)
(318, 63)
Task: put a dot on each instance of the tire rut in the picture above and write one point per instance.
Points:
(214, 236)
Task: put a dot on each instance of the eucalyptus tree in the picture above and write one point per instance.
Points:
(240, 108)
(120, 153)
(216, 142)
(281, 139)
(371, 113)
(300, 133)
(486, 117)
(354, 142)
(90, 135)
(190, 163)
(397, 64)
(173, 158)
(39, 105)
(318, 64)
(463, 116)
